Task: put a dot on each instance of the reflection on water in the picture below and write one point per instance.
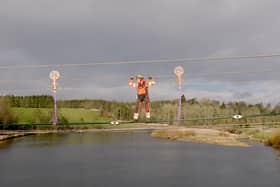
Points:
(131, 159)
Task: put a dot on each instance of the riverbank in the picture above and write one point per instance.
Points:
(199, 135)
(9, 134)
(219, 136)
(267, 136)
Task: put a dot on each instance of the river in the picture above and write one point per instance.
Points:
(131, 159)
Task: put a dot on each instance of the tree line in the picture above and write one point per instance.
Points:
(165, 110)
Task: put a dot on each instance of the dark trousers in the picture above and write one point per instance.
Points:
(144, 98)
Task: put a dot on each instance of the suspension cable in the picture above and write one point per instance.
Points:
(160, 61)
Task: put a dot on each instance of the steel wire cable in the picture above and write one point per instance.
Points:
(133, 62)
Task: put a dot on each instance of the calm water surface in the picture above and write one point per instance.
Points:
(132, 159)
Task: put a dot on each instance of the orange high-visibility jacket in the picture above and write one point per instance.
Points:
(141, 86)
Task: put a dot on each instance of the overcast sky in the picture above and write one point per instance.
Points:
(36, 32)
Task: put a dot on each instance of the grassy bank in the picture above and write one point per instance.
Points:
(260, 134)
(68, 115)
(206, 136)
(274, 141)
(228, 137)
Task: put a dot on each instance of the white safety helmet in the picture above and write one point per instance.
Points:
(139, 76)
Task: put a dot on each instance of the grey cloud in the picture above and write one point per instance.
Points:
(88, 31)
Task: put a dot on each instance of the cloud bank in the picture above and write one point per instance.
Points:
(90, 31)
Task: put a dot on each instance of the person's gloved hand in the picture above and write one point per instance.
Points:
(150, 78)
(132, 78)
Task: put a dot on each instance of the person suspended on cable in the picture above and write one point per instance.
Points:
(142, 89)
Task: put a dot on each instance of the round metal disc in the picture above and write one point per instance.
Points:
(179, 70)
(54, 75)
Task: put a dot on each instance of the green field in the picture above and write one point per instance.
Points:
(44, 115)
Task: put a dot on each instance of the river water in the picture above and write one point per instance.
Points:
(132, 159)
